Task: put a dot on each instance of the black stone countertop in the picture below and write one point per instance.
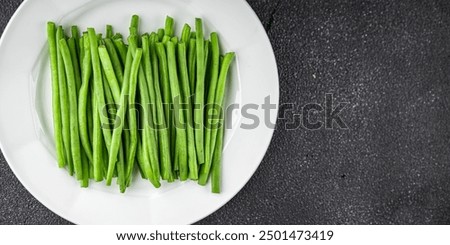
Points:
(389, 63)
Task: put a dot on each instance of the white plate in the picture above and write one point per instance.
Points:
(25, 106)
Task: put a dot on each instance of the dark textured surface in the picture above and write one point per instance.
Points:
(391, 61)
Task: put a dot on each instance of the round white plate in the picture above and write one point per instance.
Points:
(25, 105)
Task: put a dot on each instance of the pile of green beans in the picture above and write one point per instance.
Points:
(151, 102)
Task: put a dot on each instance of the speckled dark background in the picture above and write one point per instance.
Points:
(390, 60)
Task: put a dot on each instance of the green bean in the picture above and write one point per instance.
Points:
(91, 171)
(199, 92)
(111, 106)
(132, 122)
(192, 61)
(161, 33)
(177, 82)
(148, 73)
(64, 101)
(181, 140)
(85, 168)
(118, 68)
(166, 99)
(73, 111)
(169, 30)
(76, 36)
(120, 119)
(90, 110)
(76, 64)
(121, 178)
(98, 83)
(134, 31)
(75, 32)
(183, 71)
(134, 25)
(109, 72)
(216, 163)
(149, 100)
(155, 182)
(219, 97)
(174, 40)
(83, 100)
(149, 135)
(97, 142)
(109, 31)
(173, 141)
(206, 74)
(142, 147)
(130, 77)
(165, 39)
(162, 124)
(56, 107)
(81, 52)
(89, 93)
(109, 99)
(186, 33)
(174, 122)
(116, 36)
(126, 139)
(215, 58)
(121, 48)
(98, 95)
(140, 159)
(106, 159)
(176, 164)
(131, 115)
